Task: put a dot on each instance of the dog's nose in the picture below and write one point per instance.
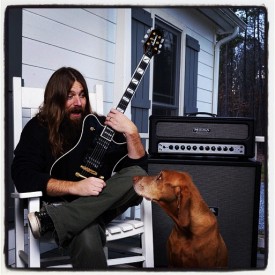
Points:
(136, 179)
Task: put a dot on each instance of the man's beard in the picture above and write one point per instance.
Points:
(71, 129)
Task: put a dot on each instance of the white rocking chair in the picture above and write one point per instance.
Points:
(27, 249)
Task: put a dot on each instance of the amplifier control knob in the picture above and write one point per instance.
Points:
(213, 148)
(231, 149)
(188, 147)
(219, 148)
(182, 147)
(194, 148)
(207, 148)
(225, 148)
(171, 147)
(201, 147)
(177, 147)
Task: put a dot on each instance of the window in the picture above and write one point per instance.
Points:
(166, 73)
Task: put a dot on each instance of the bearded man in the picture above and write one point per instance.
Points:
(75, 210)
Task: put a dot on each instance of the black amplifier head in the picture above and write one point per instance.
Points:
(187, 135)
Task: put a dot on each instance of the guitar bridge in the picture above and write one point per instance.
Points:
(89, 170)
(77, 174)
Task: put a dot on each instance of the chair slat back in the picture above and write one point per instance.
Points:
(26, 102)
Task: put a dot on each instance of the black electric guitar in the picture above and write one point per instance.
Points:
(99, 148)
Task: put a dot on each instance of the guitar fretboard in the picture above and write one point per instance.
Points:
(108, 132)
(132, 87)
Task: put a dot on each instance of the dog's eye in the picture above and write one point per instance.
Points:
(159, 177)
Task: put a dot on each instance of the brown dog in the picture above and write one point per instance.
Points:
(195, 241)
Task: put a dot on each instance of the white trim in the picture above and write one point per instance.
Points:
(122, 56)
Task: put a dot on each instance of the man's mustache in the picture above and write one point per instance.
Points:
(76, 110)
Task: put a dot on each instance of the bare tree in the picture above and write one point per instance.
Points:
(242, 86)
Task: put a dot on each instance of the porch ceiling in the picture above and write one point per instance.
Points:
(224, 18)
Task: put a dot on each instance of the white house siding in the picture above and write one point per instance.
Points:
(81, 38)
(190, 21)
(93, 41)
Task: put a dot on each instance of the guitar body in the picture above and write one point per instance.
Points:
(85, 153)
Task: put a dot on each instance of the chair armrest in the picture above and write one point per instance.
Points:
(26, 195)
(29, 201)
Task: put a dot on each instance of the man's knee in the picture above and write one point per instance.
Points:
(133, 171)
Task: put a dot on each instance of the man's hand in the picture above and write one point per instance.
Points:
(86, 187)
(120, 123)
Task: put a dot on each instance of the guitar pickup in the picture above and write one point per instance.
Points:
(89, 170)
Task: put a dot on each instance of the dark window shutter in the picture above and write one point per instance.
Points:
(191, 75)
(141, 22)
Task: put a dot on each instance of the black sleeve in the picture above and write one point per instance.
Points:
(30, 168)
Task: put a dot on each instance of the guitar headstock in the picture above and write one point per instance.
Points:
(153, 43)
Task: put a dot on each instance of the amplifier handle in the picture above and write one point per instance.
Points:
(201, 113)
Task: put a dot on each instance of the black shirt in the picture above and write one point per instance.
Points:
(33, 158)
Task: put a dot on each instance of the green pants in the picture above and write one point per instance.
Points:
(80, 224)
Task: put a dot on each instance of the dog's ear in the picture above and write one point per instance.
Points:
(186, 176)
(183, 205)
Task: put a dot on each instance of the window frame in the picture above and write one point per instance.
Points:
(169, 109)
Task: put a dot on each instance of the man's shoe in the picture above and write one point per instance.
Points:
(40, 223)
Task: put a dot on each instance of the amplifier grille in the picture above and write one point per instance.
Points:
(233, 187)
(204, 130)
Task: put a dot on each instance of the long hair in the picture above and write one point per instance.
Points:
(52, 111)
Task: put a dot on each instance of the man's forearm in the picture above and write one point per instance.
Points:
(56, 188)
(134, 146)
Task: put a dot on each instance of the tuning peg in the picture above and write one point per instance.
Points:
(142, 41)
(162, 40)
(146, 36)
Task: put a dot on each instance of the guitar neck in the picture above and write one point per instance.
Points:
(108, 132)
(134, 83)
(151, 47)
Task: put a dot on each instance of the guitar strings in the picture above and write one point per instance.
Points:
(94, 160)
